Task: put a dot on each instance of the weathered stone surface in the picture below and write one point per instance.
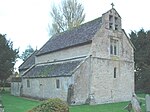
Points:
(16, 88)
(135, 104)
(128, 107)
(1, 105)
(93, 79)
(64, 54)
(147, 98)
(1, 108)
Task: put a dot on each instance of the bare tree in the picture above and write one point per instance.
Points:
(67, 15)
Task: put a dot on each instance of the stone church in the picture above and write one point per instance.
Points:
(92, 63)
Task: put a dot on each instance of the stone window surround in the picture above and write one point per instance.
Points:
(114, 47)
(113, 22)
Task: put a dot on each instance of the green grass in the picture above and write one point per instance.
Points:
(115, 107)
(18, 104)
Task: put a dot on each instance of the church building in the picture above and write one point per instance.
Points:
(92, 63)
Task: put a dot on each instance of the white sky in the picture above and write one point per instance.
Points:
(26, 21)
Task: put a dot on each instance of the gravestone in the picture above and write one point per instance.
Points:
(70, 94)
(1, 108)
(128, 107)
(135, 104)
(147, 98)
(1, 105)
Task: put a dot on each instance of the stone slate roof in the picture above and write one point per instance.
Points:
(52, 70)
(28, 62)
(77, 36)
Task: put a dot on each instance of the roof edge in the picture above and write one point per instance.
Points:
(85, 43)
(129, 39)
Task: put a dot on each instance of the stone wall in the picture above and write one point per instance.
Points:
(94, 79)
(82, 82)
(16, 86)
(69, 53)
(105, 88)
(42, 88)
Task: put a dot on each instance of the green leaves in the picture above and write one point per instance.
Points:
(66, 16)
(8, 57)
(27, 53)
(52, 105)
(141, 41)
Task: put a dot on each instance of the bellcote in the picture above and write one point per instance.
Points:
(112, 20)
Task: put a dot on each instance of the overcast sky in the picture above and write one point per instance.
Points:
(26, 21)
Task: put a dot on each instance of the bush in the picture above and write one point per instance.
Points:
(52, 105)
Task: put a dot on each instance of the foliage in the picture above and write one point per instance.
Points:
(28, 51)
(8, 57)
(141, 41)
(51, 105)
(66, 16)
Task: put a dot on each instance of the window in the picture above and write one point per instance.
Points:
(113, 47)
(116, 27)
(28, 83)
(115, 71)
(110, 18)
(110, 22)
(116, 20)
(110, 25)
(113, 22)
(57, 83)
(116, 23)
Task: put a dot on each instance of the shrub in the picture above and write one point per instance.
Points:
(51, 105)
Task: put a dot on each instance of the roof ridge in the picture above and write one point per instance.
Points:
(72, 37)
(34, 53)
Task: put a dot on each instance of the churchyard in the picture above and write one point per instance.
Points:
(19, 104)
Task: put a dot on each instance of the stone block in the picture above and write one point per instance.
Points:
(147, 98)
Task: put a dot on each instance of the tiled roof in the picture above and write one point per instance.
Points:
(52, 70)
(28, 62)
(79, 35)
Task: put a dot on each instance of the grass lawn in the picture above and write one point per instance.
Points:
(116, 107)
(18, 104)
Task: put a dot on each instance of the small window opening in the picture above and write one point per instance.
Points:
(111, 49)
(110, 22)
(115, 70)
(115, 50)
(110, 25)
(57, 83)
(116, 27)
(110, 18)
(28, 83)
(116, 20)
(116, 23)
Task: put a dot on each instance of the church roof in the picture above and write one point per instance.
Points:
(28, 62)
(53, 69)
(80, 35)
